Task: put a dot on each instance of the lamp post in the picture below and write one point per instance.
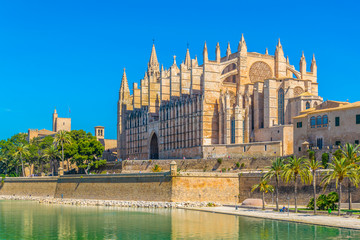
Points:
(235, 202)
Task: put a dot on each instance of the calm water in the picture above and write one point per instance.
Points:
(30, 220)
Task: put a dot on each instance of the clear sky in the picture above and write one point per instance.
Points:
(70, 54)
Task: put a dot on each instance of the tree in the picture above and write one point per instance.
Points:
(263, 187)
(294, 168)
(84, 150)
(52, 154)
(340, 169)
(350, 152)
(275, 170)
(61, 138)
(313, 165)
(21, 150)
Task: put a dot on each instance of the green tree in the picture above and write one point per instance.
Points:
(313, 166)
(325, 159)
(350, 152)
(339, 170)
(84, 150)
(61, 138)
(295, 167)
(263, 187)
(52, 154)
(21, 150)
(275, 170)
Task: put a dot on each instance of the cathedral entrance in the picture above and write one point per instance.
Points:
(154, 147)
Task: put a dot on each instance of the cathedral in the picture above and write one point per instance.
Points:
(240, 104)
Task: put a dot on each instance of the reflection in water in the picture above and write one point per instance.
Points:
(30, 220)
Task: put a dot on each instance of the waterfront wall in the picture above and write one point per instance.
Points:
(188, 186)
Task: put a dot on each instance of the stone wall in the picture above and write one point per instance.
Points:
(37, 186)
(197, 165)
(188, 186)
(255, 149)
(132, 187)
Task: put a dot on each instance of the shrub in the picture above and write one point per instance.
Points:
(219, 161)
(325, 159)
(223, 169)
(156, 168)
(81, 176)
(237, 164)
(311, 154)
(324, 202)
(242, 165)
(210, 204)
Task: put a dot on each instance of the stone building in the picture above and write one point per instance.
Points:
(110, 145)
(327, 126)
(58, 124)
(239, 104)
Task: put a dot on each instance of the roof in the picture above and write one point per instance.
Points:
(99, 127)
(341, 107)
(306, 94)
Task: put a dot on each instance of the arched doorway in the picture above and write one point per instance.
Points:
(154, 147)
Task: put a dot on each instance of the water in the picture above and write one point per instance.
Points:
(30, 220)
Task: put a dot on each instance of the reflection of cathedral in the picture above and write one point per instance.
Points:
(240, 101)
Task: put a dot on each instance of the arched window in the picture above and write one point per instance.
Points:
(325, 120)
(281, 115)
(233, 130)
(318, 121)
(312, 122)
(307, 105)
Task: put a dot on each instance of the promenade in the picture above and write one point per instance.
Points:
(329, 221)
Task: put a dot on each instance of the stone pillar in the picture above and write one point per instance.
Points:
(173, 168)
(61, 171)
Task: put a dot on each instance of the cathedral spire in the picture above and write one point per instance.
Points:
(174, 62)
(153, 65)
(228, 50)
(124, 87)
(187, 59)
(205, 53)
(266, 51)
(217, 53)
(313, 66)
(242, 44)
(302, 65)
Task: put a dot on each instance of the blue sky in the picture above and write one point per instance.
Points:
(70, 54)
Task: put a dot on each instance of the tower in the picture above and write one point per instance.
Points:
(280, 61)
(313, 66)
(99, 132)
(302, 66)
(55, 116)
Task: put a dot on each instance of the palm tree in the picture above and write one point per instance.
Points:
(313, 165)
(52, 155)
(275, 170)
(264, 187)
(21, 150)
(340, 169)
(350, 152)
(294, 168)
(61, 138)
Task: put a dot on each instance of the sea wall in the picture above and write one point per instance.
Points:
(181, 187)
(36, 186)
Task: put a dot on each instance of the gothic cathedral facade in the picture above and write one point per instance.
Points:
(234, 105)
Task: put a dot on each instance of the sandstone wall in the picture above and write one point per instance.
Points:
(188, 186)
(135, 187)
(37, 186)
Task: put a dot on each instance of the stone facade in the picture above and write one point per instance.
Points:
(58, 124)
(110, 145)
(327, 126)
(240, 98)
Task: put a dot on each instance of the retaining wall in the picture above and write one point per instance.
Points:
(195, 186)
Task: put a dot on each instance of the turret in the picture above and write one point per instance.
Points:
(280, 61)
(205, 54)
(242, 48)
(313, 66)
(217, 53)
(187, 59)
(153, 65)
(55, 116)
(302, 66)
(228, 51)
